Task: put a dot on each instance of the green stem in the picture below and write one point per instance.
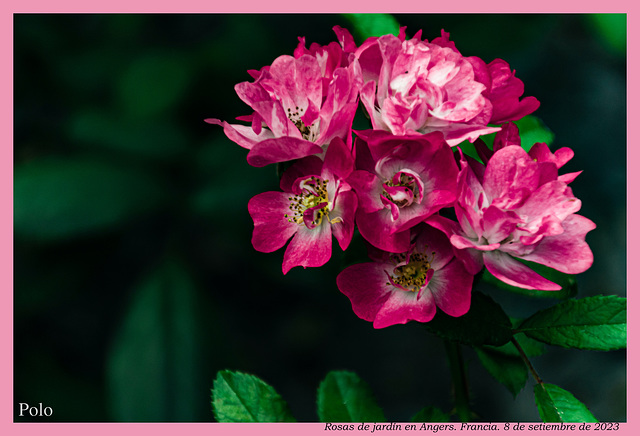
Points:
(459, 378)
(526, 360)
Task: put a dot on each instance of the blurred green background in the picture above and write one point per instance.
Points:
(135, 278)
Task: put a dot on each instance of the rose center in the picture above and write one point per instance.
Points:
(402, 190)
(295, 117)
(413, 275)
(311, 205)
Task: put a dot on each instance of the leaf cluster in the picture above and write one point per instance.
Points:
(342, 397)
(504, 346)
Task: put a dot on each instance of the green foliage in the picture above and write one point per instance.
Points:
(469, 150)
(592, 323)
(152, 85)
(152, 369)
(484, 324)
(56, 199)
(612, 28)
(506, 368)
(97, 129)
(344, 397)
(366, 25)
(531, 347)
(132, 90)
(238, 397)
(557, 405)
(505, 363)
(533, 130)
(430, 414)
(567, 281)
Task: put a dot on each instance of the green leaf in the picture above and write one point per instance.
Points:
(531, 347)
(484, 324)
(239, 397)
(505, 363)
(505, 368)
(367, 25)
(533, 130)
(567, 281)
(612, 28)
(56, 199)
(469, 150)
(592, 323)
(153, 84)
(344, 397)
(430, 414)
(557, 405)
(152, 366)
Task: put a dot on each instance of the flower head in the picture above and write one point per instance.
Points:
(412, 87)
(400, 287)
(300, 104)
(316, 202)
(400, 181)
(518, 208)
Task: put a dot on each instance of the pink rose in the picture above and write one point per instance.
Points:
(316, 203)
(400, 181)
(300, 104)
(400, 287)
(413, 87)
(519, 208)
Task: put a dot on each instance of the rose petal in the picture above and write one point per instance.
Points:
(567, 252)
(280, 150)
(244, 136)
(514, 273)
(365, 286)
(272, 229)
(309, 247)
(344, 210)
(402, 307)
(377, 229)
(451, 288)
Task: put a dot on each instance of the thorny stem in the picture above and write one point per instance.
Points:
(526, 360)
(460, 383)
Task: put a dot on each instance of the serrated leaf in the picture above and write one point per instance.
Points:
(366, 25)
(566, 281)
(55, 199)
(344, 397)
(239, 397)
(430, 414)
(558, 405)
(152, 366)
(507, 369)
(592, 323)
(484, 324)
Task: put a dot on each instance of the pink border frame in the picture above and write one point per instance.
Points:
(194, 6)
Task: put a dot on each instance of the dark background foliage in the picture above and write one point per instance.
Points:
(135, 278)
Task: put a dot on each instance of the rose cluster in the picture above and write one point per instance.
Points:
(432, 216)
